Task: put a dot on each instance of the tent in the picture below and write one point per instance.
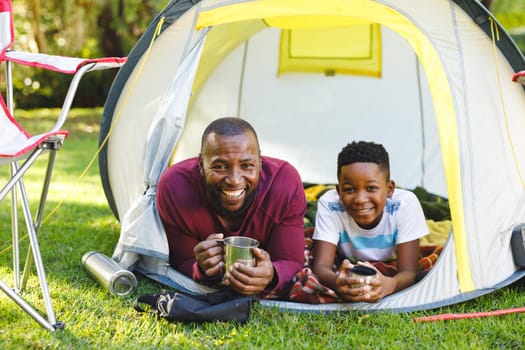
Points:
(430, 80)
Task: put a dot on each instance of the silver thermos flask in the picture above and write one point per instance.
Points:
(109, 274)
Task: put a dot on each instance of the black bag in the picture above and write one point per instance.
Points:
(218, 306)
(517, 244)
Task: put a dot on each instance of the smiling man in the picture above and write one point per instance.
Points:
(231, 190)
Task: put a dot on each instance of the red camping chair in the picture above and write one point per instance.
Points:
(519, 77)
(19, 150)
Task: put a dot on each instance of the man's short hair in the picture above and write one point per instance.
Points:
(364, 152)
(228, 126)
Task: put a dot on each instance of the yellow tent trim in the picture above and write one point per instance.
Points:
(219, 43)
(281, 13)
(304, 12)
(302, 22)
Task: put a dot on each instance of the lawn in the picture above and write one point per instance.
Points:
(96, 320)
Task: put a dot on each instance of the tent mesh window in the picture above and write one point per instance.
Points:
(324, 51)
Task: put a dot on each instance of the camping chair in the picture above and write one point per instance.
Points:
(519, 77)
(18, 146)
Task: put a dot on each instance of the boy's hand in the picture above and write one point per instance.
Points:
(342, 280)
(357, 288)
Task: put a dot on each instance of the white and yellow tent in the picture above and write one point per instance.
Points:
(431, 80)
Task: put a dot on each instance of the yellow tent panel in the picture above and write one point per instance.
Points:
(352, 50)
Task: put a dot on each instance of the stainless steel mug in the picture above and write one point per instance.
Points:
(364, 272)
(109, 274)
(239, 249)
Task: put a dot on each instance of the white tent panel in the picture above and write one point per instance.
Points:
(305, 117)
(308, 118)
(489, 177)
(128, 138)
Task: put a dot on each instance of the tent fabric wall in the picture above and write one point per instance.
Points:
(445, 109)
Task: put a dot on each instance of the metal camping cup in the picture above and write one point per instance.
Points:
(109, 274)
(364, 272)
(239, 249)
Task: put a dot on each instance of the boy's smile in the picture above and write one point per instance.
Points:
(363, 189)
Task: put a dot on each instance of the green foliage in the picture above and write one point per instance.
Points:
(38, 88)
(83, 28)
(511, 15)
(96, 320)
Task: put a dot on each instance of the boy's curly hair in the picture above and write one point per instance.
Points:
(364, 152)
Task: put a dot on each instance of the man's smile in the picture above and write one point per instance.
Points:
(233, 194)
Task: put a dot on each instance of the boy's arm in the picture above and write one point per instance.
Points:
(326, 235)
(324, 255)
(411, 225)
(407, 264)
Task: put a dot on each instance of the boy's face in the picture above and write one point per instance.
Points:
(363, 188)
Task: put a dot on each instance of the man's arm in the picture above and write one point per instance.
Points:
(286, 241)
(181, 240)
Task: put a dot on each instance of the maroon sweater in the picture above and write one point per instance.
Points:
(275, 217)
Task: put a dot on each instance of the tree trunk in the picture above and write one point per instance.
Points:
(487, 3)
(35, 11)
(110, 40)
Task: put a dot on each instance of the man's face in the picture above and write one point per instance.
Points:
(363, 189)
(230, 166)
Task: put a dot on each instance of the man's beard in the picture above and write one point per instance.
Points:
(222, 211)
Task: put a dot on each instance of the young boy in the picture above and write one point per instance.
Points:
(367, 219)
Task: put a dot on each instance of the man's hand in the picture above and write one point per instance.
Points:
(209, 253)
(251, 280)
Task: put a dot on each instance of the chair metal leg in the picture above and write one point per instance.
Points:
(18, 175)
(33, 253)
(14, 231)
(39, 214)
(26, 307)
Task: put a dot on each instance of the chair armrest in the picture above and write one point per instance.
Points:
(67, 65)
(63, 64)
(519, 77)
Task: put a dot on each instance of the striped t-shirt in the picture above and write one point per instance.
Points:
(402, 221)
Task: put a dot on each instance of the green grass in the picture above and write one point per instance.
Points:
(96, 320)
